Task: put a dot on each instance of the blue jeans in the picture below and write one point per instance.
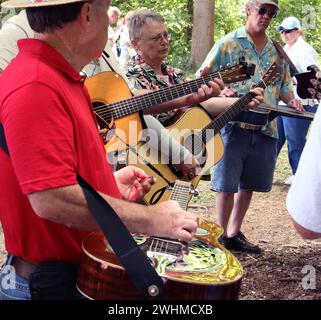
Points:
(294, 131)
(248, 161)
(12, 286)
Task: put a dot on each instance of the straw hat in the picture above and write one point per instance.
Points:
(35, 3)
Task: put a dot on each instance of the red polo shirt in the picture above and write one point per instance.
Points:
(52, 135)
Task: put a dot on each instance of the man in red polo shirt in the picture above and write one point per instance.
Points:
(52, 135)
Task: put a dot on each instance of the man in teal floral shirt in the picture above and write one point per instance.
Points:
(250, 148)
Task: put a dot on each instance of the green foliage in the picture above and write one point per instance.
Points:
(309, 13)
(230, 14)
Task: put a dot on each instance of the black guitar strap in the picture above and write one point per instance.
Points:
(3, 142)
(106, 56)
(143, 275)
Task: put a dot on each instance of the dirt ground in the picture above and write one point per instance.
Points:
(278, 273)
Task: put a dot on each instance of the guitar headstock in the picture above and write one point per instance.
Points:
(315, 90)
(237, 72)
(271, 75)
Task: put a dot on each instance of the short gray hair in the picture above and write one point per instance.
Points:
(138, 20)
(114, 9)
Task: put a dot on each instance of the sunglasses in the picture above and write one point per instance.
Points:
(288, 31)
(262, 11)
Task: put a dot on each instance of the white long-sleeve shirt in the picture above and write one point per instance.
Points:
(304, 197)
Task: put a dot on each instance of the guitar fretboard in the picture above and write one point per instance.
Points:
(129, 106)
(181, 192)
(165, 246)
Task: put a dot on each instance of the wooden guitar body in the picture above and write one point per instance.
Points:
(206, 272)
(195, 119)
(104, 89)
(206, 145)
(118, 113)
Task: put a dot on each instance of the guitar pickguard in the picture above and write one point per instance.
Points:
(198, 257)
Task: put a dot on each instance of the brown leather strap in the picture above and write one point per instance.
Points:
(282, 53)
(23, 268)
(247, 126)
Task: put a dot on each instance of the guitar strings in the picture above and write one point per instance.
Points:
(179, 193)
(121, 108)
(221, 120)
(125, 101)
(270, 75)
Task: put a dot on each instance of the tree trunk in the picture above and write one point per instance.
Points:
(203, 30)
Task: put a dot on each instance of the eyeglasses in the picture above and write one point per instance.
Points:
(288, 31)
(158, 39)
(262, 11)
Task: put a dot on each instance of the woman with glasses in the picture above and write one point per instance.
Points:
(250, 148)
(302, 54)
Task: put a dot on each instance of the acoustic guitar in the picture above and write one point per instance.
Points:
(287, 112)
(200, 270)
(202, 139)
(118, 112)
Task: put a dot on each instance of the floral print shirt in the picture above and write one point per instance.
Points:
(142, 76)
(230, 48)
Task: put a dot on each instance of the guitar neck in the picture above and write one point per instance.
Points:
(221, 120)
(290, 112)
(139, 103)
(181, 192)
(135, 104)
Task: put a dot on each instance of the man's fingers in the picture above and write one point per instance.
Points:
(205, 72)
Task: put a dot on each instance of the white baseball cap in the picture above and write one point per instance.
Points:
(289, 23)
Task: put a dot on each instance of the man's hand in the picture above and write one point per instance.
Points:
(133, 183)
(170, 221)
(296, 104)
(228, 93)
(257, 100)
(205, 92)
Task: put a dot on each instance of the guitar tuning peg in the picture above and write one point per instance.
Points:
(195, 192)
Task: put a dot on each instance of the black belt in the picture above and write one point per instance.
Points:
(23, 268)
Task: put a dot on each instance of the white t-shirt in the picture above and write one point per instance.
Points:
(15, 28)
(304, 197)
(303, 55)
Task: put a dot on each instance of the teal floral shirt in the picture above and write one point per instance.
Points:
(229, 49)
(142, 76)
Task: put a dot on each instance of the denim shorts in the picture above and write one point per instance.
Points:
(248, 162)
(12, 286)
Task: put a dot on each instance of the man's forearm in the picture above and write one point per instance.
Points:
(68, 206)
(215, 106)
(287, 97)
